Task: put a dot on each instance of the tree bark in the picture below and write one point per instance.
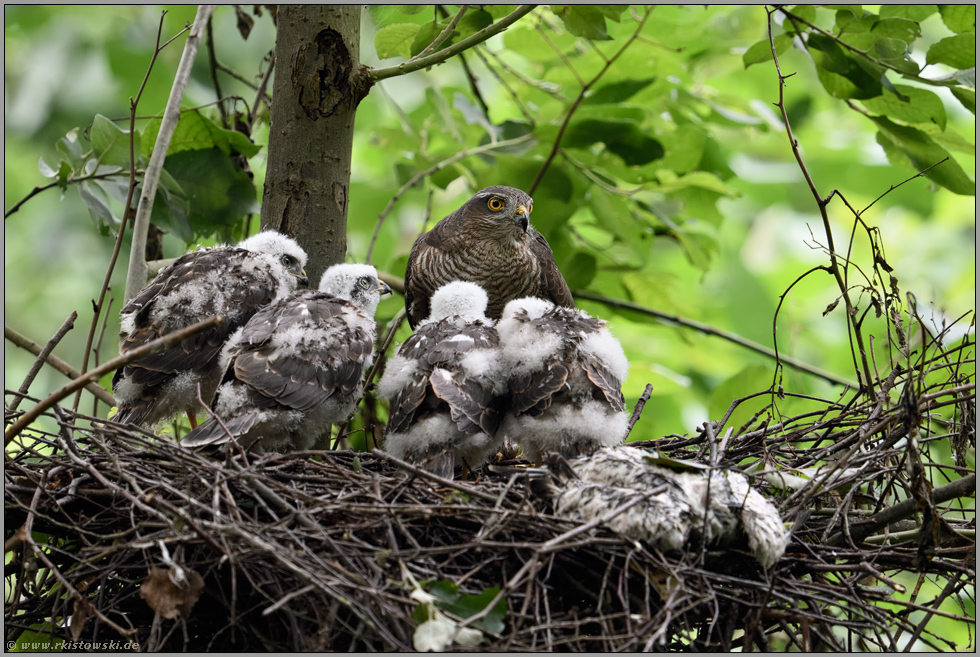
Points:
(318, 84)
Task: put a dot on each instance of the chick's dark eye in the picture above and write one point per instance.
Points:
(286, 260)
(495, 204)
(364, 282)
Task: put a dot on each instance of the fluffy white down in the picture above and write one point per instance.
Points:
(768, 537)
(523, 348)
(564, 427)
(437, 432)
(275, 244)
(462, 298)
(341, 281)
(604, 346)
(399, 373)
(534, 307)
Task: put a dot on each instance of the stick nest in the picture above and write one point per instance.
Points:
(113, 534)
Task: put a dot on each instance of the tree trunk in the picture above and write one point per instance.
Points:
(315, 95)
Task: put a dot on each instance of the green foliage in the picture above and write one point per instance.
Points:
(663, 171)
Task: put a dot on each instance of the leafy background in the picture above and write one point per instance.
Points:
(675, 187)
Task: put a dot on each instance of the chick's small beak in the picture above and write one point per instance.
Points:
(383, 289)
(301, 277)
(522, 217)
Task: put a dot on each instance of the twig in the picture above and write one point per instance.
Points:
(57, 363)
(438, 166)
(136, 278)
(39, 361)
(640, 403)
(581, 96)
(127, 210)
(93, 375)
(260, 94)
(378, 74)
(962, 487)
(864, 368)
(710, 330)
(404, 465)
(442, 36)
(70, 181)
(213, 70)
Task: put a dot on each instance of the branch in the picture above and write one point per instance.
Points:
(853, 324)
(581, 96)
(379, 74)
(964, 487)
(70, 181)
(127, 210)
(89, 377)
(42, 355)
(438, 166)
(57, 363)
(710, 330)
(445, 34)
(136, 278)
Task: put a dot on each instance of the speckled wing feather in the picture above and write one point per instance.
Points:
(305, 375)
(167, 305)
(419, 281)
(471, 403)
(600, 375)
(553, 285)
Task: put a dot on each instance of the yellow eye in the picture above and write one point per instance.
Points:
(495, 204)
(530, 208)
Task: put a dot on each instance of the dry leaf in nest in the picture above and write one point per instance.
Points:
(168, 598)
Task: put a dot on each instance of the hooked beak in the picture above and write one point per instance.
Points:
(301, 277)
(383, 289)
(522, 218)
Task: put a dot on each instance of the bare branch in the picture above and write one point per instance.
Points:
(41, 357)
(94, 375)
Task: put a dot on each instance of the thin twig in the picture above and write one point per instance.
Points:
(114, 364)
(136, 277)
(39, 361)
(378, 74)
(57, 363)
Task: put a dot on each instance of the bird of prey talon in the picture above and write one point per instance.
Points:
(565, 372)
(297, 366)
(488, 241)
(231, 281)
(444, 386)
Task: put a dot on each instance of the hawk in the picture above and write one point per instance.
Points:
(444, 386)
(565, 372)
(297, 366)
(489, 242)
(231, 281)
(679, 504)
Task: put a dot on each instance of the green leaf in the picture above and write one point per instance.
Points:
(911, 12)
(465, 605)
(840, 75)
(617, 92)
(923, 152)
(218, 191)
(579, 270)
(472, 22)
(622, 137)
(967, 98)
(395, 40)
(761, 51)
(426, 35)
(194, 131)
(752, 378)
(612, 12)
(895, 52)
(897, 28)
(97, 202)
(959, 18)
(110, 143)
(583, 20)
(72, 150)
(958, 51)
(805, 12)
(410, 10)
(921, 106)
(854, 10)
